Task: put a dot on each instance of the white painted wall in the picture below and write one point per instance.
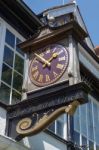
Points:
(2, 121)
(9, 144)
(44, 141)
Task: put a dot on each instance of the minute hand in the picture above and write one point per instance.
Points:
(43, 59)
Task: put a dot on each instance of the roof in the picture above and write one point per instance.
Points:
(20, 16)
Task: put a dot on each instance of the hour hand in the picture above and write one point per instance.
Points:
(54, 55)
(42, 59)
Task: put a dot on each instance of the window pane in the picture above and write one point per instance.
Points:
(76, 120)
(52, 127)
(17, 81)
(97, 147)
(8, 56)
(83, 119)
(6, 74)
(19, 64)
(16, 97)
(76, 137)
(90, 120)
(96, 121)
(91, 145)
(60, 128)
(17, 48)
(10, 38)
(4, 93)
(84, 143)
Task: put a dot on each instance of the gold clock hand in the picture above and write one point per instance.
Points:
(43, 59)
(54, 55)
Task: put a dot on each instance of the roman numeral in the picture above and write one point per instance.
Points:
(47, 51)
(61, 58)
(40, 79)
(61, 51)
(35, 75)
(59, 66)
(47, 78)
(55, 74)
(34, 68)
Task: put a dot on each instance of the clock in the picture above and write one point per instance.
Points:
(48, 64)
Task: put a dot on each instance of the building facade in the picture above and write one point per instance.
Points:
(17, 26)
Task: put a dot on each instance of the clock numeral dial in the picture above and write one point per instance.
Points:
(48, 50)
(47, 78)
(34, 68)
(60, 52)
(55, 74)
(35, 75)
(60, 66)
(49, 65)
(62, 58)
(40, 79)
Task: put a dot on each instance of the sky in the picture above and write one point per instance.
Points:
(88, 8)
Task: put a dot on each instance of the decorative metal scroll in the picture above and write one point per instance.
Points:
(25, 127)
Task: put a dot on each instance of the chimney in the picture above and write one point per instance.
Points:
(96, 49)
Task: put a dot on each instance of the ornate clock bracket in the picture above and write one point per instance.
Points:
(35, 114)
(25, 127)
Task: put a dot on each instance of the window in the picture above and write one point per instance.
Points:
(88, 115)
(83, 119)
(19, 64)
(90, 121)
(8, 56)
(52, 127)
(6, 74)
(17, 48)
(4, 93)
(84, 143)
(10, 38)
(96, 121)
(15, 97)
(91, 145)
(58, 128)
(17, 81)
(76, 120)
(12, 69)
(97, 147)
(76, 138)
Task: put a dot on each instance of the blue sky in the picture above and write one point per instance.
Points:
(88, 8)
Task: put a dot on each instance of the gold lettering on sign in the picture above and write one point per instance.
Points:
(61, 58)
(40, 79)
(35, 75)
(59, 66)
(47, 78)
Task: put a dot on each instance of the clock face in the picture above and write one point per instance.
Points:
(48, 65)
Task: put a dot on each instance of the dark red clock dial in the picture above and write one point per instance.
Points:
(48, 64)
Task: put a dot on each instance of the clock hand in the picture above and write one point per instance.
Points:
(54, 55)
(42, 59)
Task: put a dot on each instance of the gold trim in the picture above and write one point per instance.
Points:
(24, 126)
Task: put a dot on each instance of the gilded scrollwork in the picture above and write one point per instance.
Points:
(27, 127)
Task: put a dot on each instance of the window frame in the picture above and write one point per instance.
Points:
(6, 26)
